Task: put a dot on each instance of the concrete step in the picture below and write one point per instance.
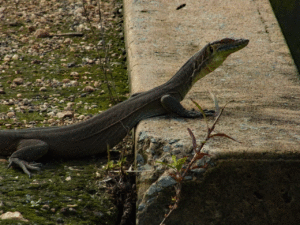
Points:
(255, 182)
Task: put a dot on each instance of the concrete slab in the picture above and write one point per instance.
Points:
(261, 79)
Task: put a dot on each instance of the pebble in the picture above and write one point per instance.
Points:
(74, 83)
(11, 114)
(81, 117)
(89, 89)
(64, 114)
(43, 89)
(7, 58)
(97, 84)
(18, 81)
(15, 57)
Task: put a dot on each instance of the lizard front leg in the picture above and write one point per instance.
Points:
(171, 104)
(28, 150)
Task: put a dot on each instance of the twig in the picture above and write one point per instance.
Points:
(179, 177)
(66, 35)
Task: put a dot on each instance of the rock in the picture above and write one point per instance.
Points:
(11, 114)
(74, 83)
(2, 9)
(68, 41)
(13, 216)
(2, 91)
(15, 57)
(70, 104)
(74, 74)
(140, 159)
(13, 85)
(43, 89)
(7, 58)
(43, 108)
(41, 33)
(162, 182)
(66, 81)
(81, 117)
(18, 81)
(89, 89)
(65, 114)
(97, 84)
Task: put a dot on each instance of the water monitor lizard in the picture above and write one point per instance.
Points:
(110, 127)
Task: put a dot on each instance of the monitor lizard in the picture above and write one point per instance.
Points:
(110, 127)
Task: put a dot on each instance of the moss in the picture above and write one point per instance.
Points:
(65, 191)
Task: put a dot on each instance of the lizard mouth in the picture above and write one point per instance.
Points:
(232, 45)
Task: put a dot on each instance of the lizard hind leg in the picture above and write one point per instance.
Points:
(28, 150)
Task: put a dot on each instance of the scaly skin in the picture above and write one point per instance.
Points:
(110, 127)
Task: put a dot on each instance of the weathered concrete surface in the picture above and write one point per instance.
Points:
(261, 79)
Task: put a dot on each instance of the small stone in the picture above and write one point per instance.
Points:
(65, 114)
(2, 91)
(13, 215)
(2, 9)
(97, 84)
(41, 33)
(74, 74)
(15, 57)
(74, 83)
(81, 117)
(43, 108)
(43, 89)
(66, 81)
(51, 114)
(166, 148)
(141, 207)
(50, 121)
(72, 64)
(18, 81)
(7, 58)
(70, 104)
(140, 159)
(89, 89)
(13, 85)
(68, 41)
(11, 114)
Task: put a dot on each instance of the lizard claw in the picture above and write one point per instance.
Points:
(209, 112)
(24, 165)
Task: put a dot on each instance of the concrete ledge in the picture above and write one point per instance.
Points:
(261, 80)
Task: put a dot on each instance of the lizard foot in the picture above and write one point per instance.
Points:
(24, 165)
(209, 112)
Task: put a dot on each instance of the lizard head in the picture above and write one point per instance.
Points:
(216, 52)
